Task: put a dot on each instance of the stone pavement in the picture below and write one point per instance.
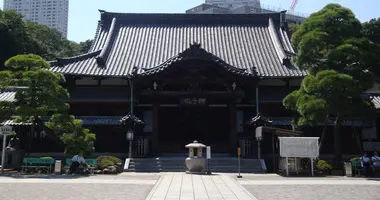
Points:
(273, 187)
(126, 187)
(179, 186)
(182, 186)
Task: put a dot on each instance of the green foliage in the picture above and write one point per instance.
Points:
(49, 42)
(371, 30)
(71, 132)
(332, 39)
(293, 28)
(323, 166)
(13, 35)
(19, 37)
(6, 110)
(106, 161)
(43, 95)
(27, 62)
(328, 93)
(85, 46)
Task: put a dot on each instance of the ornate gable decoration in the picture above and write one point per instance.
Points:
(196, 52)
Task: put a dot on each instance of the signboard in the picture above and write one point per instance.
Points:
(299, 147)
(208, 152)
(5, 130)
(194, 101)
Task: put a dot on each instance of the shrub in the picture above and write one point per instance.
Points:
(106, 161)
(324, 166)
(356, 159)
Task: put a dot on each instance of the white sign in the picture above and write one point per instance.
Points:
(299, 147)
(5, 130)
(208, 152)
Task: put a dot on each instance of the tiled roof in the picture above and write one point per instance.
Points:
(8, 96)
(250, 44)
(11, 122)
(376, 101)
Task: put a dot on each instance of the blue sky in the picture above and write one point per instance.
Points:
(84, 14)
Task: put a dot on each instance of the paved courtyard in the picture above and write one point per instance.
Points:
(154, 186)
(272, 187)
(126, 187)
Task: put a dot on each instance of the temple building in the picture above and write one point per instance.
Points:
(194, 77)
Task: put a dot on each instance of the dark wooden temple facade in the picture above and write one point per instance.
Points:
(194, 77)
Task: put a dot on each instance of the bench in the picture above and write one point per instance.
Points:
(91, 164)
(357, 166)
(43, 164)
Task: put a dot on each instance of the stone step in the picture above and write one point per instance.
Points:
(177, 164)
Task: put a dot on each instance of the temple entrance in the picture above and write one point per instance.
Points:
(179, 126)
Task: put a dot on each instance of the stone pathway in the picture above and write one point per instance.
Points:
(184, 186)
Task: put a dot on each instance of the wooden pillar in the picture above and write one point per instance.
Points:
(155, 147)
(233, 131)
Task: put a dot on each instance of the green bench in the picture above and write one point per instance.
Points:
(43, 164)
(357, 167)
(91, 164)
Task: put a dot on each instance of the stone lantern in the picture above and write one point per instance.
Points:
(195, 162)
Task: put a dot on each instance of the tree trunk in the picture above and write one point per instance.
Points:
(357, 138)
(323, 136)
(337, 142)
(30, 141)
(48, 132)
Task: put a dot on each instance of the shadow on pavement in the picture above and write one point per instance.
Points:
(42, 176)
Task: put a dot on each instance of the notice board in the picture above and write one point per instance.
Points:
(299, 147)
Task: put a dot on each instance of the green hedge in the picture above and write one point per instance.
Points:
(106, 161)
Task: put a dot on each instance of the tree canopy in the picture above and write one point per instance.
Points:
(24, 37)
(328, 93)
(342, 62)
(41, 95)
(332, 38)
(70, 131)
(371, 30)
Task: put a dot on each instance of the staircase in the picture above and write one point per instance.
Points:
(177, 164)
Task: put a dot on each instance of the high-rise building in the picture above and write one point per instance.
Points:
(53, 13)
(242, 7)
(231, 4)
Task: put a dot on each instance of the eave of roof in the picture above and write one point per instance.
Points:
(376, 101)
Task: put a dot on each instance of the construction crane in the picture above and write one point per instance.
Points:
(294, 5)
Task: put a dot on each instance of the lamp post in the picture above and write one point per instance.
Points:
(130, 122)
(130, 135)
(258, 122)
